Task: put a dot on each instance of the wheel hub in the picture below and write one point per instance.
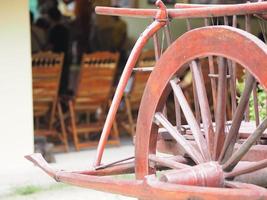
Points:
(207, 174)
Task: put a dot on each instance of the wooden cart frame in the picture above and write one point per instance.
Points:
(213, 156)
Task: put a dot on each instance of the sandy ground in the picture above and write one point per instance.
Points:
(12, 184)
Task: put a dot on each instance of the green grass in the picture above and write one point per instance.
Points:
(261, 94)
(32, 189)
(27, 190)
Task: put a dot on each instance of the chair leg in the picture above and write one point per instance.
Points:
(129, 115)
(63, 127)
(52, 115)
(73, 126)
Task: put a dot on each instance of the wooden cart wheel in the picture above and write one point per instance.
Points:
(212, 151)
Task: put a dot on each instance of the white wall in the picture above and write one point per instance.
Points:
(16, 125)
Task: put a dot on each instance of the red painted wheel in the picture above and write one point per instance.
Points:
(212, 150)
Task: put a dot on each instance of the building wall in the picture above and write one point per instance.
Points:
(16, 125)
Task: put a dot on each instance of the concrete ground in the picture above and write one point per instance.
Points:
(30, 183)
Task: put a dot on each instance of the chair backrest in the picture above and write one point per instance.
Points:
(96, 77)
(147, 59)
(46, 73)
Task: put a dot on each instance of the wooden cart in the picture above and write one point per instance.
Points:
(205, 156)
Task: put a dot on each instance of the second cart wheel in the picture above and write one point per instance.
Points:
(212, 149)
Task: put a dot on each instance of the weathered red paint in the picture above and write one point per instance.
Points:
(150, 187)
(184, 182)
(191, 12)
(210, 41)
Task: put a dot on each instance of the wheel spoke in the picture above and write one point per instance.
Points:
(231, 138)
(232, 84)
(232, 73)
(256, 105)
(220, 114)
(203, 101)
(213, 81)
(191, 120)
(237, 156)
(167, 162)
(248, 29)
(188, 148)
(196, 103)
(212, 71)
(248, 169)
(178, 119)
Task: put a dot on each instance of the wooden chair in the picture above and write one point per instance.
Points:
(46, 74)
(92, 98)
(132, 98)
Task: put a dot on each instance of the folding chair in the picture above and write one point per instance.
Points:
(93, 93)
(48, 116)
